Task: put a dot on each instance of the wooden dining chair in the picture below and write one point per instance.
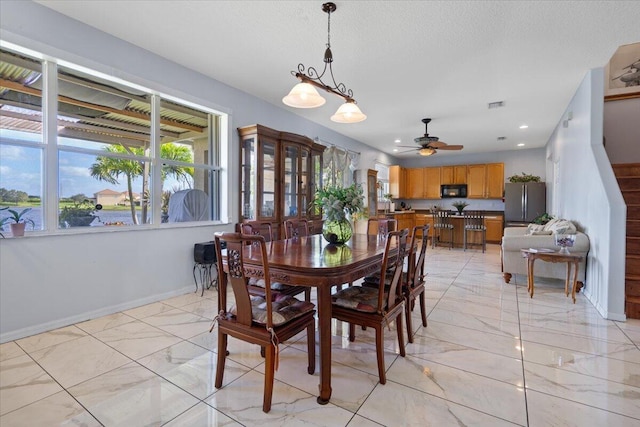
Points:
(254, 319)
(257, 285)
(296, 228)
(377, 306)
(474, 223)
(442, 222)
(413, 285)
(413, 279)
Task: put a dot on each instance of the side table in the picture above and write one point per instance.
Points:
(570, 259)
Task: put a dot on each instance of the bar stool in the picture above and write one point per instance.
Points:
(474, 222)
(442, 221)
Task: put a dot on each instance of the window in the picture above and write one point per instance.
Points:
(21, 140)
(125, 155)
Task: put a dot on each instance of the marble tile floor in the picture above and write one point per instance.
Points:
(490, 356)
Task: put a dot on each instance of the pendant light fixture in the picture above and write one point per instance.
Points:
(305, 95)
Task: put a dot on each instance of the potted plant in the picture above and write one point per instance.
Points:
(79, 214)
(460, 205)
(336, 203)
(524, 178)
(17, 221)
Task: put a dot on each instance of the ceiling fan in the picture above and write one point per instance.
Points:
(430, 144)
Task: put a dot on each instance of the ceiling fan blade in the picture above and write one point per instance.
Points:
(451, 147)
(408, 146)
(437, 144)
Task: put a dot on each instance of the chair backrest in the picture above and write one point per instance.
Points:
(237, 275)
(417, 257)
(381, 226)
(441, 219)
(396, 264)
(257, 228)
(296, 228)
(474, 220)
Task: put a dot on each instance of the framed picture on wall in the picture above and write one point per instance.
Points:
(622, 73)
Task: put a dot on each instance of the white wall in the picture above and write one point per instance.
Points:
(622, 130)
(51, 281)
(584, 189)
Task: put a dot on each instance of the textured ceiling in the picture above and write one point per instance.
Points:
(404, 60)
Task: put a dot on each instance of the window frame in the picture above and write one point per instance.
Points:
(218, 148)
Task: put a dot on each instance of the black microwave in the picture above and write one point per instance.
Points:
(453, 190)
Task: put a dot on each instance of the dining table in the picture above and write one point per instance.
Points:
(311, 261)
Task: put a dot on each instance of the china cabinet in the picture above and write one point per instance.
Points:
(279, 173)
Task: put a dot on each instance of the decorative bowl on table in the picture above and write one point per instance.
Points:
(565, 241)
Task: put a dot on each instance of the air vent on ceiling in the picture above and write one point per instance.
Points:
(496, 104)
(502, 138)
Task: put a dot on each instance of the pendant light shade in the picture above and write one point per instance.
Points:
(348, 113)
(426, 151)
(303, 95)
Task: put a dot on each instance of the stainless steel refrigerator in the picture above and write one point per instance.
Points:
(523, 202)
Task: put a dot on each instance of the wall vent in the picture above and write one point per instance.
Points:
(496, 104)
(502, 138)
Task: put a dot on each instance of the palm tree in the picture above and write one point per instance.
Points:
(110, 169)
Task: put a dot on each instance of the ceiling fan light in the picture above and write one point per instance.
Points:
(426, 151)
(348, 113)
(303, 95)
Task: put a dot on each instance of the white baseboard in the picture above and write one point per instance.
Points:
(59, 323)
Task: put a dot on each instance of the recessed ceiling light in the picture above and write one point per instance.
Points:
(397, 141)
(395, 150)
(524, 127)
(521, 144)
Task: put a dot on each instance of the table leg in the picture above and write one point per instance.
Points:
(566, 282)
(324, 332)
(575, 280)
(530, 276)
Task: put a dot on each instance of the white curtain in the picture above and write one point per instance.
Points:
(339, 165)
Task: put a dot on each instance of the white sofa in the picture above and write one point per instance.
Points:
(517, 238)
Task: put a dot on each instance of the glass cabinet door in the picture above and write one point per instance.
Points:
(316, 181)
(291, 179)
(305, 163)
(267, 179)
(248, 178)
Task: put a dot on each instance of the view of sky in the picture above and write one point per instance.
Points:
(21, 169)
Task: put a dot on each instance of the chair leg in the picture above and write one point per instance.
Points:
(380, 353)
(222, 355)
(464, 240)
(269, 374)
(311, 348)
(307, 295)
(400, 334)
(423, 309)
(451, 238)
(407, 310)
(484, 240)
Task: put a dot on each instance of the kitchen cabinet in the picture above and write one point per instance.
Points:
(494, 229)
(404, 220)
(431, 186)
(397, 182)
(422, 219)
(415, 183)
(279, 174)
(453, 174)
(485, 181)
